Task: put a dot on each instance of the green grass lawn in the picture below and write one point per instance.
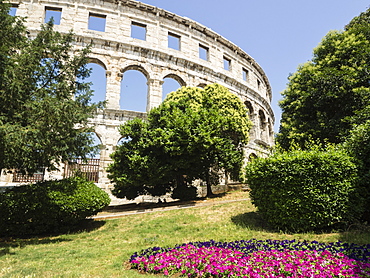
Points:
(102, 247)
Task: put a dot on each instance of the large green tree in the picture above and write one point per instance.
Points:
(44, 102)
(329, 93)
(194, 134)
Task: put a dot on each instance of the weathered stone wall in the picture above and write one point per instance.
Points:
(117, 51)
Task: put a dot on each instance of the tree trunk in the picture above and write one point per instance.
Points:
(180, 181)
(209, 187)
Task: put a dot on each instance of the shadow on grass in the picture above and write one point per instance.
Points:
(88, 225)
(252, 221)
(216, 195)
(140, 207)
(9, 243)
(357, 233)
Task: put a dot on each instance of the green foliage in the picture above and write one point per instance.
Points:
(360, 24)
(184, 192)
(41, 101)
(304, 190)
(193, 134)
(358, 146)
(138, 166)
(49, 206)
(326, 95)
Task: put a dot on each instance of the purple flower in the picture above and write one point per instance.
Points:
(255, 259)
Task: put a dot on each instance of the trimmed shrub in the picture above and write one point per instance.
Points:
(49, 206)
(184, 193)
(358, 146)
(303, 190)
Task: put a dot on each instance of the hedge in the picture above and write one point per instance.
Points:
(49, 206)
(358, 146)
(304, 190)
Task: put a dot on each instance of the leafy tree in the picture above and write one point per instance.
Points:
(358, 146)
(138, 165)
(327, 94)
(44, 103)
(194, 134)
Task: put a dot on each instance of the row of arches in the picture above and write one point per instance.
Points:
(134, 82)
(263, 128)
(134, 86)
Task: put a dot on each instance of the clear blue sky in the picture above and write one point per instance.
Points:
(279, 35)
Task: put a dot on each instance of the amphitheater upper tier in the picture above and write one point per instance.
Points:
(130, 35)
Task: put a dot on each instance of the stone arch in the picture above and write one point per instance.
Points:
(177, 78)
(262, 118)
(172, 83)
(98, 78)
(139, 68)
(270, 130)
(249, 106)
(262, 124)
(252, 156)
(119, 142)
(122, 139)
(98, 61)
(251, 115)
(97, 142)
(134, 89)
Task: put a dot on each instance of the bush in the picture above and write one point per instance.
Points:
(49, 206)
(184, 193)
(358, 146)
(303, 190)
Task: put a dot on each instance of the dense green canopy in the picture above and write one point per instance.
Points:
(194, 134)
(43, 108)
(328, 94)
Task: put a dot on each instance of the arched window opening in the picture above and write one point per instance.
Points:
(249, 106)
(97, 144)
(170, 85)
(123, 140)
(262, 119)
(250, 109)
(252, 157)
(262, 124)
(134, 91)
(270, 129)
(98, 81)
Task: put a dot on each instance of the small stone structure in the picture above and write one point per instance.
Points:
(165, 45)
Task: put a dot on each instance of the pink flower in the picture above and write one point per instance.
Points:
(223, 262)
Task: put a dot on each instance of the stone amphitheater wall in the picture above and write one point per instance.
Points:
(117, 51)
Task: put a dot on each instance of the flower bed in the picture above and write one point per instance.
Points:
(256, 258)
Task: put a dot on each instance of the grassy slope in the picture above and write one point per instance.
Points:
(101, 250)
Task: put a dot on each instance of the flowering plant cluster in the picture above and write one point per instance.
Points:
(255, 258)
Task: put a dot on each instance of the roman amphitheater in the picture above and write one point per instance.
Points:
(128, 35)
